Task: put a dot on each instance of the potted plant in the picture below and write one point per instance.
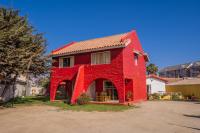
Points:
(83, 99)
(129, 95)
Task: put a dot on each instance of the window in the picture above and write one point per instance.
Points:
(108, 85)
(100, 58)
(66, 61)
(136, 59)
(110, 89)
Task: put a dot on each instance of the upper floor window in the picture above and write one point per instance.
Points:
(136, 59)
(100, 58)
(66, 61)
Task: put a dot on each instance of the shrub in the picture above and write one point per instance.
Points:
(150, 97)
(83, 99)
(156, 96)
(176, 96)
(162, 96)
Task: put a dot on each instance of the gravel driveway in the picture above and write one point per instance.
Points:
(150, 117)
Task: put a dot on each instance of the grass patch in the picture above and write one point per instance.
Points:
(41, 100)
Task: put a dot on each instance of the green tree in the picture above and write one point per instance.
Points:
(152, 69)
(45, 83)
(22, 50)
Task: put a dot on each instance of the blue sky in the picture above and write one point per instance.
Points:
(168, 30)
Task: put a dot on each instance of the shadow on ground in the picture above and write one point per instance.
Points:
(194, 128)
(193, 116)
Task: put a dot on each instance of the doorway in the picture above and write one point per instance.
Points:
(110, 89)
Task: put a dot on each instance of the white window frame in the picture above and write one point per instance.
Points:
(61, 61)
(106, 59)
(136, 59)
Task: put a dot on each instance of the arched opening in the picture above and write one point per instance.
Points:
(102, 90)
(64, 90)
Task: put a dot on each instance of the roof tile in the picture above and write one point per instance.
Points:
(93, 44)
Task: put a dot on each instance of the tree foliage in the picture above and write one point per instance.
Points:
(22, 50)
(152, 69)
(44, 82)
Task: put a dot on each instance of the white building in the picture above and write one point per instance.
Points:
(20, 89)
(155, 84)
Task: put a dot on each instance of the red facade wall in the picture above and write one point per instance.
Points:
(137, 73)
(122, 67)
(82, 59)
(79, 84)
(58, 75)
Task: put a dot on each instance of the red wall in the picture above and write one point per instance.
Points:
(112, 72)
(78, 88)
(85, 58)
(135, 72)
(81, 59)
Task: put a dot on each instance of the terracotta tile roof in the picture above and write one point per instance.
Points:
(156, 77)
(171, 80)
(108, 42)
(189, 81)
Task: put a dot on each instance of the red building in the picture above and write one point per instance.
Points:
(113, 68)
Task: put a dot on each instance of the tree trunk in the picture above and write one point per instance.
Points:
(27, 88)
(5, 89)
(13, 89)
(27, 93)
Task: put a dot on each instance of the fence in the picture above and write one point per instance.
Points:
(186, 90)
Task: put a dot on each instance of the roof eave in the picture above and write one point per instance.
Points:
(88, 50)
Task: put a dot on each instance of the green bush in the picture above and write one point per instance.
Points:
(163, 95)
(150, 97)
(173, 96)
(156, 96)
(176, 96)
(83, 99)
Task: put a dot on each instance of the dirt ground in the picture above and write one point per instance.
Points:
(150, 117)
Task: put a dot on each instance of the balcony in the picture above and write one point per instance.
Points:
(68, 72)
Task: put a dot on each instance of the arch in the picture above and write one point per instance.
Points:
(91, 80)
(110, 93)
(61, 86)
(61, 93)
(82, 83)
